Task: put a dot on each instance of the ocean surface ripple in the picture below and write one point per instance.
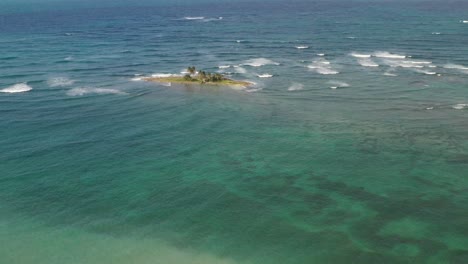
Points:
(350, 145)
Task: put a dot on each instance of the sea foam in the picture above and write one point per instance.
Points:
(90, 90)
(302, 47)
(17, 88)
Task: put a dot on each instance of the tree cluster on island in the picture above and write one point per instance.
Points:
(199, 77)
(202, 76)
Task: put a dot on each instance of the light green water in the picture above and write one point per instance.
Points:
(304, 189)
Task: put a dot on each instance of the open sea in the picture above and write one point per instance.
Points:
(351, 147)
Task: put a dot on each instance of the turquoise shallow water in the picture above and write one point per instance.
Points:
(354, 151)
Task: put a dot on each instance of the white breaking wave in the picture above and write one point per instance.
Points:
(194, 18)
(408, 64)
(137, 79)
(322, 66)
(426, 72)
(60, 82)
(260, 62)
(420, 62)
(401, 63)
(460, 68)
(212, 19)
(326, 71)
(296, 87)
(460, 106)
(413, 65)
(90, 90)
(264, 75)
(455, 66)
(337, 84)
(321, 54)
(17, 88)
(163, 75)
(323, 70)
(367, 63)
(464, 21)
(358, 55)
(302, 47)
(224, 66)
(388, 55)
(435, 33)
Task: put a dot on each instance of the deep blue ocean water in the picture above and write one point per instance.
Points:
(351, 147)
